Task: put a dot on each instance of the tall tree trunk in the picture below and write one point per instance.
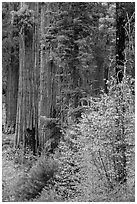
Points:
(98, 53)
(120, 42)
(11, 95)
(51, 89)
(27, 108)
(75, 74)
(47, 104)
(20, 133)
(12, 85)
(98, 81)
(43, 95)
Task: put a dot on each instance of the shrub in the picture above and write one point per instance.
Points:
(68, 176)
(108, 136)
(26, 159)
(32, 183)
(48, 195)
(97, 154)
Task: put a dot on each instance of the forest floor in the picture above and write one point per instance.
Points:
(13, 168)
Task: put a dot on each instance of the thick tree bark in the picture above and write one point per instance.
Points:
(47, 104)
(43, 95)
(12, 84)
(19, 133)
(98, 54)
(51, 89)
(27, 108)
(98, 74)
(11, 95)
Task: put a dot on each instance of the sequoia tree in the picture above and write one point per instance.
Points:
(10, 47)
(47, 103)
(27, 105)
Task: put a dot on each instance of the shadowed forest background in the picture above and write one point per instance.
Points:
(68, 101)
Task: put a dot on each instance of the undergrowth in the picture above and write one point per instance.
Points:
(31, 184)
(96, 156)
(29, 175)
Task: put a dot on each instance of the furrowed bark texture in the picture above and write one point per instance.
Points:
(11, 95)
(27, 107)
(47, 104)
